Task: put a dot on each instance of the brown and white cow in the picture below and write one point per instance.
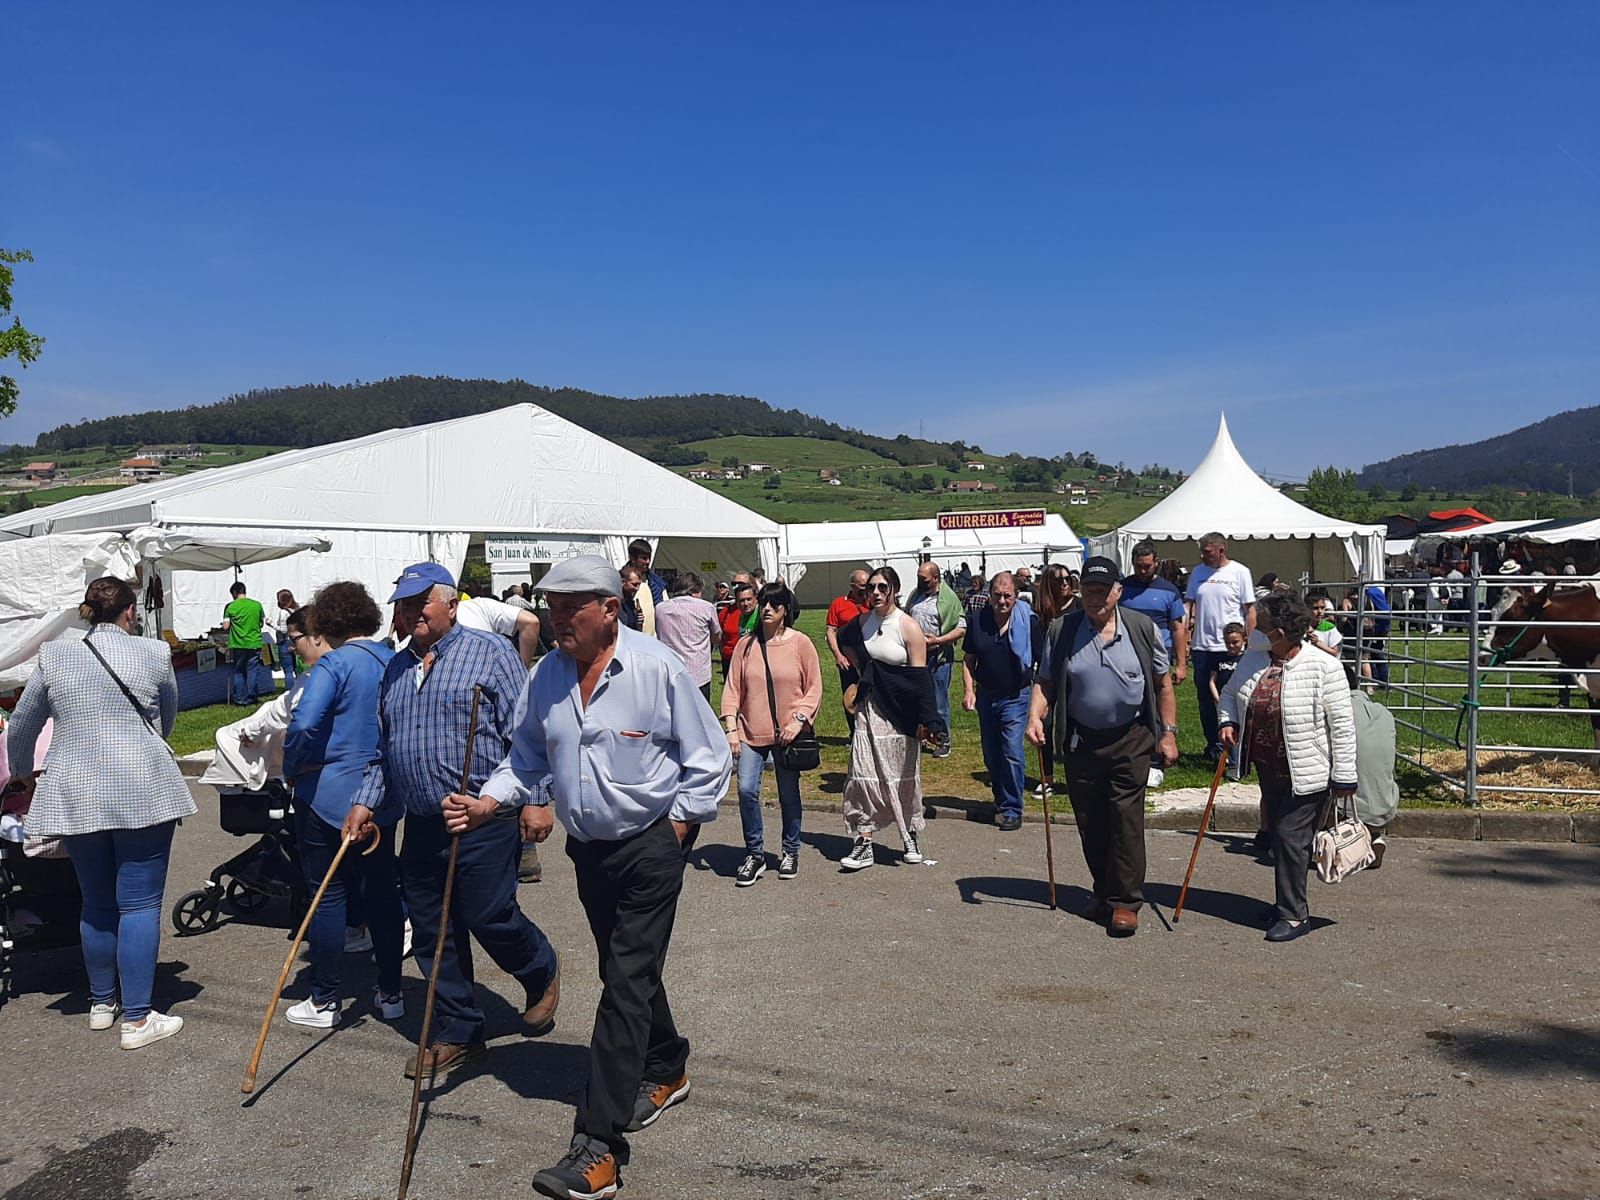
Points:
(1526, 632)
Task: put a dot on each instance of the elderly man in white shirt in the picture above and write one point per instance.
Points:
(616, 738)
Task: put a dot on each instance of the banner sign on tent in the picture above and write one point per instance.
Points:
(1011, 518)
(532, 548)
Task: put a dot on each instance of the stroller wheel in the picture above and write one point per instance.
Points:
(196, 912)
(245, 899)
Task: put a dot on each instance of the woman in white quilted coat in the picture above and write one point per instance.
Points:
(1289, 705)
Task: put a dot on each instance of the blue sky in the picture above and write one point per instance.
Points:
(1361, 229)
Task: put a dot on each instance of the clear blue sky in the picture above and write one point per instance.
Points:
(1359, 228)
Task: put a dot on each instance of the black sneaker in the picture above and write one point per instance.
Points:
(1008, 823)
(788, 866)
(585, 1172)
(654, 1099)
(860, 855)
(751, 869)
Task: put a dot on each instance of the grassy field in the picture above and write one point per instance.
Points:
(790, 453)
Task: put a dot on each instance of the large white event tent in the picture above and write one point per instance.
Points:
(816, 559)
(380, 502)
(1266, 530)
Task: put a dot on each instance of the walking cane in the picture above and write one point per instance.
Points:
(249, 1083)
(1205, 820)
(1049, 845)
(438, 957)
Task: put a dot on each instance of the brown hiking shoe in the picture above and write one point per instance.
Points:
(443, 1057)
(540, 1015)
(654, 1099)
(528, 869)
(584, 1173)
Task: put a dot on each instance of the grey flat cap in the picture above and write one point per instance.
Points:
(583, 573)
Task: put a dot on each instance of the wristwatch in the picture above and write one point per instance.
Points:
(1169, 729)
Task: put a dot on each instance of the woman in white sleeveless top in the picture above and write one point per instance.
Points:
(884, 788)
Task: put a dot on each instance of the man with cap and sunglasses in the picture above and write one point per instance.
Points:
(617, 741)
(424, 706)
(1105, 670)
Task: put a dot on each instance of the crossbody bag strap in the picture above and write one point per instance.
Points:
(137, 707)
(772, 697)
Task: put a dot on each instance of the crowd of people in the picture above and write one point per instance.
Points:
(612, 733)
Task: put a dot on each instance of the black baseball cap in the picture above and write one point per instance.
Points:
(1099, 569)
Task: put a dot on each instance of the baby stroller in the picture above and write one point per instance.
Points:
(252, 804)
(39, 906)
(266, 870)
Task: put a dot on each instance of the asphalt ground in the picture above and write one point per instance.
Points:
(926, 1031)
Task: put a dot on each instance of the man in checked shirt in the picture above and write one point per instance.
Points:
(424, 705)
(616, 738)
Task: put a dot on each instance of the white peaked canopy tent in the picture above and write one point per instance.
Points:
(402, 496)
(816, 559)
(1266, 530)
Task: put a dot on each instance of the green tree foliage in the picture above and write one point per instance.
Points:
(774, 482)
(1333, 493)
(16, 341)
(730, 462)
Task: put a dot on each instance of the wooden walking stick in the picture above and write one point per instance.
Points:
(1049, 845)
(438, 957)
(1205, 821)
(249, 1083)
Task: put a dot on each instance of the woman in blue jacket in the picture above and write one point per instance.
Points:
(332, 737)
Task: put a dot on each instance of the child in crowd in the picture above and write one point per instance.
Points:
(1233, 640)
(1323, 628)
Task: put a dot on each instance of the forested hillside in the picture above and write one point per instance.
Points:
(316, 414)
(1541, 457)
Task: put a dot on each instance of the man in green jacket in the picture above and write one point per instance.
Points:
(937, 610)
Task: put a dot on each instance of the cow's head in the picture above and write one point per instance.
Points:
(1517, 634)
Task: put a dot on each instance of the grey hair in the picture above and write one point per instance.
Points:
(1213, 539)
(443, 591)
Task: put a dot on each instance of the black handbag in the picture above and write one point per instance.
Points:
(805, 752)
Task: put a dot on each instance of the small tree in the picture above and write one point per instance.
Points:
(16, 340)
(730, 460)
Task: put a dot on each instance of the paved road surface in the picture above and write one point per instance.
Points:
(921, 1032)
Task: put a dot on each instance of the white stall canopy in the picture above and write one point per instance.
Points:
(401, 496)
(816, 559)
(1266, 530)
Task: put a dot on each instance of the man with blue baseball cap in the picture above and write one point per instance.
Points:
(618, 742)
(424, 707)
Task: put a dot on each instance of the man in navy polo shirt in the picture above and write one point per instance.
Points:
(1003, 643)
(1146, 592)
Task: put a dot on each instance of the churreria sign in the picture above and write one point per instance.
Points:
(1009, 518)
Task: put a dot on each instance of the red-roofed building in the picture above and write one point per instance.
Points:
(39, 472)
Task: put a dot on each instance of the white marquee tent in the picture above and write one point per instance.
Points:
(816, 559)
(406, 495)
(1266, 530)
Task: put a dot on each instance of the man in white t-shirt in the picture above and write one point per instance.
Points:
(495, 616)
(1220, 591)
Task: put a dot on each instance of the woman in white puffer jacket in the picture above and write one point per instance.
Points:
(1290, 706)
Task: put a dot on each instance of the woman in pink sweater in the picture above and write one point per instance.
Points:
(759, 721)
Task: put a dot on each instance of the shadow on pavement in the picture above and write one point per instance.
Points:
(1528, 864)
(1225, 906)
(1035, 893)
(1543, 1050)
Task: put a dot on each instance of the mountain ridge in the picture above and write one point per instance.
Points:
(1549, 456)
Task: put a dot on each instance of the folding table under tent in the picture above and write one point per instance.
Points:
(816, 559)
(401, 496)
(1266, 530)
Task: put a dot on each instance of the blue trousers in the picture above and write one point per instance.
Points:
(1001, 721)
(122, 873)
(751, 760)
(370, 877)
(483, 906)
(286, 657)
(245, 685)
(941, 694)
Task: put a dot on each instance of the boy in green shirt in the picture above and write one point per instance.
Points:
(242, 619)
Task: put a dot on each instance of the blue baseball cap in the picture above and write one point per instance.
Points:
(419, 578)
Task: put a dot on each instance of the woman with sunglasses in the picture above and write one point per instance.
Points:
(895, 711)
(1057, 597)
(779, 653)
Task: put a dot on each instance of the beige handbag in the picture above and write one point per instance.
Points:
(1343, 848)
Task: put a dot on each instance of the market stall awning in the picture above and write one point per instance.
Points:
(218, 547)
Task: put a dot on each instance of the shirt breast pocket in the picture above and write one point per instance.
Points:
(631, 755)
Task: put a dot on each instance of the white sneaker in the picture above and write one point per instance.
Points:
(860, 855)
(313, 1015)
(155, 1027)
(390, 1008)
(357, 941)
(104, 1016)
(1043, 790)
(913, 852)
(405, 940)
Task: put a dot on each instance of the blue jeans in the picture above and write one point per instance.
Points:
(122, 873)
(1204, 664)
(1001, 721)
(941, 695)
(286, 658)
(751, 760)
(482, 906)
(372, 878)
(246, 675)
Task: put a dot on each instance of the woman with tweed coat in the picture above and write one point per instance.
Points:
(112, 792)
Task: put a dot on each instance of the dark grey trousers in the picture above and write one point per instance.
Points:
(1294, 825)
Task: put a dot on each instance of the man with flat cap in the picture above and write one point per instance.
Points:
(424, 705)
(616, 740)
(1104, 669)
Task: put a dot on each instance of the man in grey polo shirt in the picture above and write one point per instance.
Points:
(1105, 670)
